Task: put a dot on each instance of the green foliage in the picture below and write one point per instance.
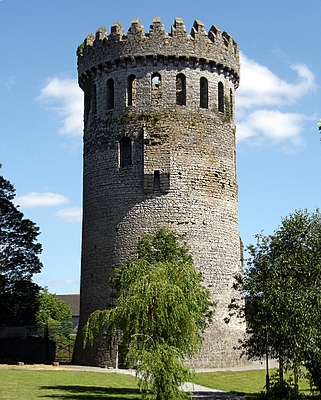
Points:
(19, 257)
(162, 309)
(80, 49)
(282, 282)
(313, 365)
(281, 389)
(153, 118)
(161, 372)
(227, 109)
(54, 313)
(51, 308)
(60, 333)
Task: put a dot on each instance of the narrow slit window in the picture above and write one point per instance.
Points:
(156, 181)
(131, 90)
(181, 90)
(110, 94)
(125, 152)
(203, 93)
(220, 97)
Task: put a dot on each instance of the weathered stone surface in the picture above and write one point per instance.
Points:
(150, 162)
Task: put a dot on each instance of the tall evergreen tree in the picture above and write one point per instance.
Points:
(19, 257)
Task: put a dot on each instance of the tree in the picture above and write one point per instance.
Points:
(162, 309)
(51, 308)
(54, 314)
(282, 282)
(19, 257)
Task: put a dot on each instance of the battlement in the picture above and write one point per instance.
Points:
(215, 49)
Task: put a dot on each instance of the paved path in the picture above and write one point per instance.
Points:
(202, 392)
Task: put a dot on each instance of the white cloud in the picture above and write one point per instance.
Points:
(34, 199)
(69, 97)
(261, 87)
(71, 214)
(272, 125)
(259, 101)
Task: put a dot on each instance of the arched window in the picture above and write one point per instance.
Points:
(220, 97)
(181, 90)
(94, 100)
(203, 93)
(110, 94)
(156, 82)
(131, 90)
(231, 102)
(125, 152)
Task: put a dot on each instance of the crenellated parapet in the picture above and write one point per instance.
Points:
(214, 50)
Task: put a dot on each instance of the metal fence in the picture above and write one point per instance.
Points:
(22, 331)
(58, 335)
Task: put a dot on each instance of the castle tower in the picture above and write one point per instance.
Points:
(159, 150)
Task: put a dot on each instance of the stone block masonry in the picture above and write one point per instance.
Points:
(159, 150)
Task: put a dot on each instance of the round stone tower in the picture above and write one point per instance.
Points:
(159, 151)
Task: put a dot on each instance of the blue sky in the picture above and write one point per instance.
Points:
(277, 103)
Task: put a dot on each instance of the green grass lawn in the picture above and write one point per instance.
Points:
(248, 384)
(22, 384)
(235, 382)
(29, 385)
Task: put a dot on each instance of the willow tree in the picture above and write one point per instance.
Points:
(162, 309)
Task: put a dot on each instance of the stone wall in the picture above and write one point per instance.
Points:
(156, 160)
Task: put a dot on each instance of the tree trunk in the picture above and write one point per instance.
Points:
(296, 380)
(281, 369)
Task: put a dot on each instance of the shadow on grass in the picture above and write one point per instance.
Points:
(250, 396)
(218, 395)
(262, 395)
(77, 392)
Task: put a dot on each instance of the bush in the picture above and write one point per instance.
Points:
(281, 389)
(314, 374)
